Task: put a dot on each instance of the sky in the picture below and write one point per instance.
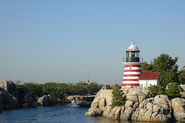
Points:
(60, 40)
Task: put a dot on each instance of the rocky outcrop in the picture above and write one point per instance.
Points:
(102, 99)
(7, 100)
(182, 87)
(182, 91)
(139, 106)
(10, 86)
(46, 100)
(28, 101)
(153, 109)
(178, 106)
(137, 94)
(103, 102)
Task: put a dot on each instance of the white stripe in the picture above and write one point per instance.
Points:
(130, 82)
(132, 68)
(137, 73)
(131, 77)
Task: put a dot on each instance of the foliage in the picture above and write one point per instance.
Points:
(22, 90)
(156, 90)
(145, 67)
(34, 89)
(173, 90)
(181, 76)
(59, 90)
(117, 99)
(167, 66)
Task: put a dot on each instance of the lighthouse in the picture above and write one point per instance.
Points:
(132, 67)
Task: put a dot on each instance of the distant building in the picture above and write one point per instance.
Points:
(149, 78)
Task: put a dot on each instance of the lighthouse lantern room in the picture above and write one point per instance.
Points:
(132, 66)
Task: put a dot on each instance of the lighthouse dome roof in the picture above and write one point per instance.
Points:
(133, 47)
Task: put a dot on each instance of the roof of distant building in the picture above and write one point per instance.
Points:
(149, 76)
(132, 47)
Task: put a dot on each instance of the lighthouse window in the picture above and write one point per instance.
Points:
(133, 54)
(137, 54)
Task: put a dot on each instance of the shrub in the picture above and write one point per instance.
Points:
(156, 90)
(117, 99)
(173, 90)
(34, 89)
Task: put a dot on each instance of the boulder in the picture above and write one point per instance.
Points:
(102, 99)
(137, 94)
(102, 103)
(112, 112)
(128, 104)
(182, 88)
(182, 94)
(126, 115)
(94, 112)
(178, 106)
(7, 100)
(28, 101)
(153, 109)
(46, 100)
(27, 98)
(10, 86)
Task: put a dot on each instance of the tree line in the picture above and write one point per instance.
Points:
(58, 90)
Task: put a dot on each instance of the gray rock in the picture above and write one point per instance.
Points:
(153, 109)
(182, 88)
(126, 115)
(10, 86)
(46, 100)
(128, 103)
(94, 112)
(136, 94)
(178, 105)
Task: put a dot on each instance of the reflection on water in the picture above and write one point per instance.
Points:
(55, 114)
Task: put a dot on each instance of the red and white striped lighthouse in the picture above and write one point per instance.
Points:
(132, 65)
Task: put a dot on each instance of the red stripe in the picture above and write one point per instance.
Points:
(132, 71)
(130, 79)
(132, 65)
(130, 84)
(130, 75)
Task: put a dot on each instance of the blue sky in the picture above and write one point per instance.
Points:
(60, 40)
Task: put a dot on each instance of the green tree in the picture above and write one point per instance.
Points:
(173, 90)
(117, 99)
(167, 66)
(34, 89)
(145, 67)
(156, 90)
(181, 76)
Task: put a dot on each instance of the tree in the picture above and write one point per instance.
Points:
(145, 67)
(34, 89)
(156, 90)
(173, 90)
(181, 76)
(167, 66)
(117, 99)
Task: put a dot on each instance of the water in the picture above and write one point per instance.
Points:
(54, 114)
